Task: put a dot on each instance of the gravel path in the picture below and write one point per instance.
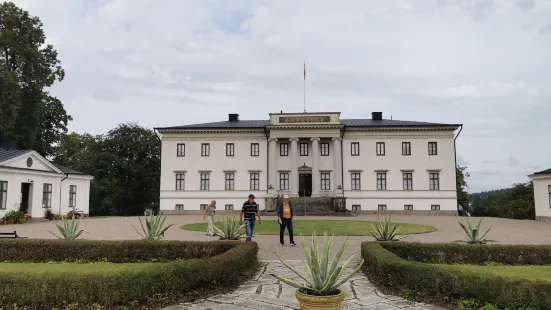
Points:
(264, 292)
(503, 230)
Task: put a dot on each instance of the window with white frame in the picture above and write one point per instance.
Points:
(230, 149)
(434, 181)
(549, 189)
(324, 149)
(380, 148)
(180, 181)
(205, 181)
(179, 207)
(181, 149)
(407, 180)
(381, 207)
(381, 181)
(408, 207)
(228, 207)
(72, 196)
(205, 149)
(284, 181)
(255, 181)
(3, 195)
(406, 148)
(356, 207)
(203, 206)
(355, 181)
(46, 195)
(435, 207)
(284, 149)
(230, 181)
(355, 148)
(433, 148)
(304, 149)
(325, 181)
(255, 149)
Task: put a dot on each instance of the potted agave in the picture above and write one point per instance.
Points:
(322, 278)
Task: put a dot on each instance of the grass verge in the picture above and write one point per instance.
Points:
(333, 227)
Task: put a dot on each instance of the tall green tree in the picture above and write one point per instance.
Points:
(125, 164)
(463, 198)
(29, 115)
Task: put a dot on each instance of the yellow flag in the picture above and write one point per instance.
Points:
(305, 71)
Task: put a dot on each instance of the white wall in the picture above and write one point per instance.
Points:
(393, 161)
(242, 163)
(15, 178)
(541, 195)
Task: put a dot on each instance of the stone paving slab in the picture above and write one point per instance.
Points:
(264, 292)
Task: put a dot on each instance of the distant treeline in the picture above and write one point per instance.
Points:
(516, 202)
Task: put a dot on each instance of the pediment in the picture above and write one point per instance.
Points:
(31, 161)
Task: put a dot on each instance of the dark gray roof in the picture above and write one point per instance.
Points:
(546, 171)
(6, 154)
(249, 124)
(67, 170)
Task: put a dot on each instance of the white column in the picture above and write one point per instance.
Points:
(294, 166)
(337, 164)
(315, 167)
(272, 173)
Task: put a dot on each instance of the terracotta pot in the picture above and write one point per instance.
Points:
(312, 302)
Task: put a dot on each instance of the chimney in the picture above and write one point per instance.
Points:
(234, 118)
(377, 116)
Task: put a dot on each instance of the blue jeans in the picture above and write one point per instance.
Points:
(249, 228)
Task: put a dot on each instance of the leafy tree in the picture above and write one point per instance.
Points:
(29, 115)
(125, 164)
(463, 198)
(516, 202)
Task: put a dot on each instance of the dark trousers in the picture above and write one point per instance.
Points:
(289, 224)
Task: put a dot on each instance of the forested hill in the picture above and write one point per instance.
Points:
(515, 202)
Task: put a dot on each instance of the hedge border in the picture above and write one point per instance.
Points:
(428, 281)
(113, 290)
(123, 251)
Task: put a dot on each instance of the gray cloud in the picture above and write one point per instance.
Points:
(479, 63)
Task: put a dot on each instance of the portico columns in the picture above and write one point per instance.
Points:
(315, 167)
(294, 166)
(272, 173)
(337, 166)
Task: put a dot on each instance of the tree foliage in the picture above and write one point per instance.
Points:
(516, 202)
(463, 198)
(126, 166)
(29, 116)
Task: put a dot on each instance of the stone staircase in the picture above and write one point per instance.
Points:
(313, 206)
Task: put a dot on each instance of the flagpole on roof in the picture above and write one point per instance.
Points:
(304, 82)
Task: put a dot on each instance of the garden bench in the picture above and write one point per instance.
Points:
(12, 235)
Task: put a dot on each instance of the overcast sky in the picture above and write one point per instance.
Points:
(485, 64)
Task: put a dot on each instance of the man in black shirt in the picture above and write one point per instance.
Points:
(250, 211)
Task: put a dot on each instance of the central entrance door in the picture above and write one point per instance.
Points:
(305, 185)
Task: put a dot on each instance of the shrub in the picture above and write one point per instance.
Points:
(69, 230)
(385, 230)
(17, 217)
(229, 229)
(387, 268)
(49, 215)
(127, 251)
(475, 254)
(473, 234)
(154, 227)
(123, 287)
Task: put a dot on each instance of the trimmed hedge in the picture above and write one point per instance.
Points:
(118, 289)
(426, 280)
(474, 254)
(128, 251)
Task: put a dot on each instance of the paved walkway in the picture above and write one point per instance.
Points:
(264, 292)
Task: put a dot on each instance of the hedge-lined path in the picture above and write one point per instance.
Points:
(264, 292)
(505, 231)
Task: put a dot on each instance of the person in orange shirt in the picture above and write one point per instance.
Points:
(285, 218)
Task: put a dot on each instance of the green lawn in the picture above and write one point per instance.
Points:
(526, 272)
(336, 227)
(69, 267)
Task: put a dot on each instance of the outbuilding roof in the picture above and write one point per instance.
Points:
(546, 171)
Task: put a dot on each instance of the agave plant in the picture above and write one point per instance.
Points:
(472, 233)
(69, 230)
(154, 227)
(385, 230)
(322, 277)
(229, 229)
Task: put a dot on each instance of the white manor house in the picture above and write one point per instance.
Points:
(363, 165)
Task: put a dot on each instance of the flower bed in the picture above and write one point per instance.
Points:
(183, 269)
(411, 268)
